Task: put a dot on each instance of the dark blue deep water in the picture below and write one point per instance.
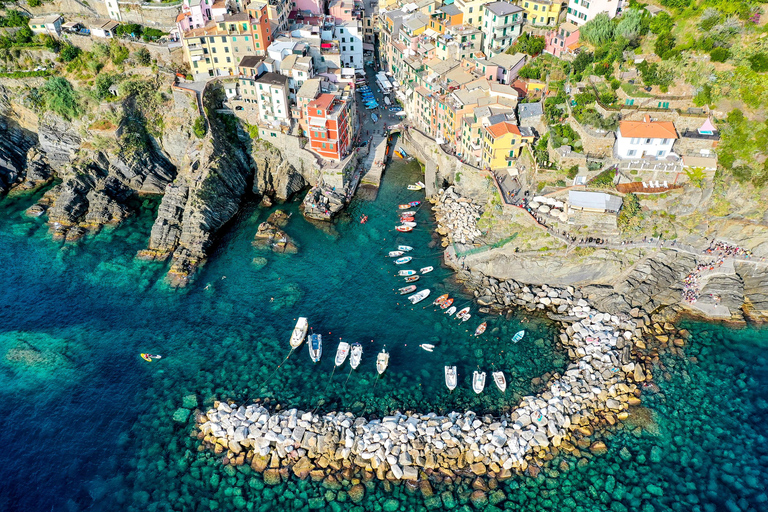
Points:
(87, 425)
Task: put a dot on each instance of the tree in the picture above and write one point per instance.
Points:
(24, 36)
(598, 30)
(199, 127)
(69, 53)
(662, 23)
(530, 71)
(664, 43)
(581, 62)
(719, 54)
(49, 42)
(631, 24)
(35, 3)
(143, 57)
(696, 176)
(13, 18)
(103, 82)
(526, 43)
(759, 62)
(630, 214)
(60, 97)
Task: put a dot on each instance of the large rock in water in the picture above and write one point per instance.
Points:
(269, 236)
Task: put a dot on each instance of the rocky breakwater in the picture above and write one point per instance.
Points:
(598, 385)
(456, 217)
(270, 235)
(322, 202)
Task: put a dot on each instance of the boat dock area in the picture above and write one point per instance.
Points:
(375, 162)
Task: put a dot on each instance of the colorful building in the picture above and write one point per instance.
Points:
(502, 143)
(564, 39)
(581, 11)
(502, 25)
(645, 139)
(541, 12)
(330, 123)
(50, 25)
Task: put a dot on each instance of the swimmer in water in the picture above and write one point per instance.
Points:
(271, 299)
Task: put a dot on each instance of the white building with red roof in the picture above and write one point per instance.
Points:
(645, 139)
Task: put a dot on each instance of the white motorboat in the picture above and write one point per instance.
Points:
(403, 260)
(405, 290)
(461, 313)
(418, 297)
(382, 361)
(500, 380)
(315, 347)
(427, 346)
(421, 184)
(478, 381)
(427, 270)
(299, 332)
(406, 272)
(466, 317)
(404, 248)
(341, 353)
(415, 187)
(451, 311)
(409, 224)
(409, 213)
(518, 336)
(450, 377)
(395, 254)
(355, 355)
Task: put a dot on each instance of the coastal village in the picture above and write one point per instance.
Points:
(598, 163)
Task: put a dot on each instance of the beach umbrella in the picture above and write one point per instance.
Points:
(544, 208)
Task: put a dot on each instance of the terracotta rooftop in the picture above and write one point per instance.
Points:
(500, 129)
(647, 129)
(322, 102)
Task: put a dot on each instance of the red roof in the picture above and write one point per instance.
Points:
(499, 129)
(647, 129)
(322, 102)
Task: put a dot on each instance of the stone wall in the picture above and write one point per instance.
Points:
(165, 56)
(594, 143)
(155, 15)
(682, 122)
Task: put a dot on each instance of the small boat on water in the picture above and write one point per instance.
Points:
(382, 361)
(415, 187)
(461, 313)
(481, 328)
(426, 270)
(405, 290)
(395, 254)
(440, 299)
(407, 219)
(299, 332)
(150, 357)
(404, 206)
(518, 336)
(418, 297)
(427, 346)
(403, 260)
(408, 223)
(414, 203)
(451, 311)
(406, 272)
(478, 381)
(411, 279)
(363, 219)
(402, 152)
(404, 229)
(404, 248)
(315, 347)
(466, 317)
(421, 184)
(409, 213)
(450, 377)
(446, 304)
(500, 380)
(355, 355)
(341, 353)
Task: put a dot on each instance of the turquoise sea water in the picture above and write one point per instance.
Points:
(87, 424)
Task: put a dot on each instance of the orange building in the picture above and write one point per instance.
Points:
(261, 27)
(329, 125)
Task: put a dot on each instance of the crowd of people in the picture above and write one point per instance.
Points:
(722, 250)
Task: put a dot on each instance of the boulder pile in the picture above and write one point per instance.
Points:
(457, 218)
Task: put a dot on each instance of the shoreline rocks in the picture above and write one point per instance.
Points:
(322, 202)
(270, 236)
(457, 218)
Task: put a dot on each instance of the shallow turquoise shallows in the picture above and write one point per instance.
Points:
(87, 424)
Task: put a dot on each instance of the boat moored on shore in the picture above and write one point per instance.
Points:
(315, 347)
(451, 311)
(440, 299)
(446, 304)
(462, 312)
(299, 332)
(341, 353)
(478, 381)
(450, 377)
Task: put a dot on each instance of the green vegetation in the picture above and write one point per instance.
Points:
(696, 176)
(604, 179)
(59, 97)
(742, 140)
(630, 215)
(199, 127)
(138, 31)
(13, 18)
(526, 43)
(142, 56)
(563, 134)
(69, 53)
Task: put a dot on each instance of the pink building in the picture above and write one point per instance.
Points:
(343, 10)
(564, 39)
(313, 6)
(194, 14)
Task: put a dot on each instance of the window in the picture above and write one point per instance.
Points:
(660, 153)
(323, 145)
(470, 10)
(223, 39)
(234, 39)
(229, 60)
(647, 141)
(213, 49)
(215, 60)
(631, 152)
(664, 141)
(635, 141)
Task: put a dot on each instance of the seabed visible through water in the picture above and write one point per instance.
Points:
(89, 425)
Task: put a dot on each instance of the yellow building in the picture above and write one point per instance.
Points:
(472, 11)
(541, 12)
(502, 143)
(217, 48)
